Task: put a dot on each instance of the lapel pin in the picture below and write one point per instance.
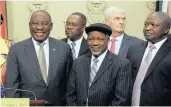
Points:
(53, 49)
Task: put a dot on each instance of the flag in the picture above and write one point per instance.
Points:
(2, 91)
(162, 6)
(4, 17)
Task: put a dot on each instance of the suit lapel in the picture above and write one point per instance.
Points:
(124, 44)
(141, 53)
(65, 40)
(52, 59)
(83, 47)
(105, 64)
(138, 56)
(164, 49)
(32, 57)
(86, 68)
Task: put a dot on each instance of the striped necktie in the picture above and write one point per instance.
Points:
(73, 50)
(93, 71)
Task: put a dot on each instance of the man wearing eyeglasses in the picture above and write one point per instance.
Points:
(74, 28)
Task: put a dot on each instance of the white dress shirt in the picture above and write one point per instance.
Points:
(141, 74)
(77, 46)
(118, 43)
(157, 45)
(46, 51)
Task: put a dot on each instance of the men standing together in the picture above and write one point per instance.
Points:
(110, 68)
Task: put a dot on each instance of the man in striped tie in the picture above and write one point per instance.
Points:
(99, 78)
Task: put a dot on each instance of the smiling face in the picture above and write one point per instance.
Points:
(40, 25)
(155, 28)
(97, 42)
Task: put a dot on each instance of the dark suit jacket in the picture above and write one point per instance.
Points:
(23, 71)
(127, 41)
(84, 47)
(156, 87)
(111, 84)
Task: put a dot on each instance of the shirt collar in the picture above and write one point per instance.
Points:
(101, 57)
(35, 42)
(76, 42)
(158, 44)
(118, 38)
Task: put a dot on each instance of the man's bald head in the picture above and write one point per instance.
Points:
(164, 16)
(41, 12)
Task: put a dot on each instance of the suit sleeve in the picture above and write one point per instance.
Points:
(12, 75)
(71, 88)
(123, 85)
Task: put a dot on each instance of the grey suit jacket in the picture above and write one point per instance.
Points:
(84, 47)
(127, 41)
(156, 86)
(23, 71)
(111, 85)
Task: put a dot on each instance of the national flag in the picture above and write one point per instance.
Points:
(162, 6)
(3, 27)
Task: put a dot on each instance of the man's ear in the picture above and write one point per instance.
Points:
(106, 21)
(84, 26)
(167, 30)
(51, 26)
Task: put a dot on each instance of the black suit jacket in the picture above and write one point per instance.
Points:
(84, 47)
(127, 41)
(156, 87)
(111, 84)
(23, 71)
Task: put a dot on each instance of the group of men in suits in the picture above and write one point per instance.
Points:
(97, 77)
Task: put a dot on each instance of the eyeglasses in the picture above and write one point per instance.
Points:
(72, 24)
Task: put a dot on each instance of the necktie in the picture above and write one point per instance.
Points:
(93, 71)
(73, 50)
(42, 62)
(140, 76)
(112, 48)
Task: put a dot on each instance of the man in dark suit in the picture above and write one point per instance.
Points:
(119, 41)
(39, 64)
(151, 63)
(74, 28)
(99, 78)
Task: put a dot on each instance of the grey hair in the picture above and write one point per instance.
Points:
(109, 12)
